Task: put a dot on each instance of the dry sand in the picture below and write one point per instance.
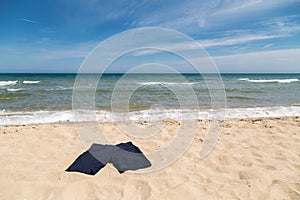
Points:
(253, 159)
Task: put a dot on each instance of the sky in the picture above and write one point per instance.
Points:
(239, 35)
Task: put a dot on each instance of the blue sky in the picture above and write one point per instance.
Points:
(240, 35)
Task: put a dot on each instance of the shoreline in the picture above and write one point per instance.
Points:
(71, 123)
(253, 159)
(65, 116)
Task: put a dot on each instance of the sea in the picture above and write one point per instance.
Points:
(49, 98)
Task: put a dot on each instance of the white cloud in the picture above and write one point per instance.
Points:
(268, 46)
(191, 16)
(235, 6)
(30, 21)
(287, 60)
(144, 52)
(286, 25)
(236, 40)
(201, 23)
(245, 7)
(189, 45)
(273, 61)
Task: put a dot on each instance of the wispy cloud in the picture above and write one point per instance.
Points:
(183, 45)
(144, 52)
(225, 41)
(285, 60)
(287, 25)
(28, 20)
(194, 17)
(223, 27)
(231, 7)
(268, 46)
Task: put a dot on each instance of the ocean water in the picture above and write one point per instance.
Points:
(45, 98)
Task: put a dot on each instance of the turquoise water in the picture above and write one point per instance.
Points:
(35, 92)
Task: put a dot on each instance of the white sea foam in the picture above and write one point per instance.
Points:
(7, 83)
(165, 83)
(31, 82)
(269, 80)
(40, 117)
(243, 79)
(14, 89)
(60, 88)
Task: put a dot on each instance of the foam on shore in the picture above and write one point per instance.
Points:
(42, 117)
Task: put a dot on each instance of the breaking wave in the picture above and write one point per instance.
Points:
(41, 117)
(269, 80)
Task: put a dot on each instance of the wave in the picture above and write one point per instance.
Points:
(165, 83)
(269, 80)
(244, 91)
(31, 82)
(14, 90)
(7, 83)
(10, 83)
(59, 88)
(41, 117)
(242, 98)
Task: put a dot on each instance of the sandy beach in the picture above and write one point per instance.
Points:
(253, 159)
(150, 100)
